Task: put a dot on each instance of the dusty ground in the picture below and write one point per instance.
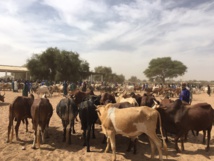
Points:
(54, 149)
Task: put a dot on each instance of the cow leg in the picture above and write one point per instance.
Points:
(64, 131)
(167, 140)
(204, 135)
(26, 125)
(130, 145)
(176, 141)
(43, 133)
(182, 143)
(84, 137)
(154, 138)
(186, 134)
(73, 130)
(64, 134)
(108, 144)
(46, 131)
(10, 135)
(88, 138)
(93, 134)
(69, 136)
(104, 139)
(35, 137)
(208, 139)
(17, 128)
(38, 136)
(135, 146)
(152, 145)
(113, 145)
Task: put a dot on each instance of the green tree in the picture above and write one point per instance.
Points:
(57, 65)
(118, 78)
(162, 68)
(134, 79)
(106, 71)
(108, 76)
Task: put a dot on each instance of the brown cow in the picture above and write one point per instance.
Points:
(165, 102)
(107, 98)
(41, 112)
(19, 110)
(79, 96)
(148, 100)
(137, 120)
(179, 119)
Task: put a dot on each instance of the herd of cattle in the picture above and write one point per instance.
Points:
(125, 113)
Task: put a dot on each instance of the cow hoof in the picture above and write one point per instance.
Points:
(17, 139)
(128, 150)
(178, 150)
(207, 149)
(33, 147)
(88, 150)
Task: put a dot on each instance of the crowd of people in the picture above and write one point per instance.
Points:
(185, 95)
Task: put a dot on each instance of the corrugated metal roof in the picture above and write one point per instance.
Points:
(8, 68)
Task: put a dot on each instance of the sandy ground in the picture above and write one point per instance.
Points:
(55, 149)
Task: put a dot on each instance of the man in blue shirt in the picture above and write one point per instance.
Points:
(185, 94)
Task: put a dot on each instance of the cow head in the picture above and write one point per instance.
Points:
(2, 97)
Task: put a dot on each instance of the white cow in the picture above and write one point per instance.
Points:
(43, 90)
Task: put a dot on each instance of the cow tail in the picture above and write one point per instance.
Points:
(161, 131)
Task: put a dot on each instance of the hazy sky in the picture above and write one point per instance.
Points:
(122, 34)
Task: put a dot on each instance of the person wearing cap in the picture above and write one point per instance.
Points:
(185, 94)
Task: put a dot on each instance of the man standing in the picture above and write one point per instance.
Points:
(208, 90)
(185, 94)
(84, 86)
(25, 89)
(65, 86)
(15, 86)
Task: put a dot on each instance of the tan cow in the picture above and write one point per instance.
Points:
(41, 112)
(130, 122)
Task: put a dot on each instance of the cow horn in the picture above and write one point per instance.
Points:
(98, 111)
(4, 93)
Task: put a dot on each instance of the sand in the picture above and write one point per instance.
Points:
(56, 150)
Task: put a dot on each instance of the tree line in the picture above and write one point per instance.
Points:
(59, 65)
